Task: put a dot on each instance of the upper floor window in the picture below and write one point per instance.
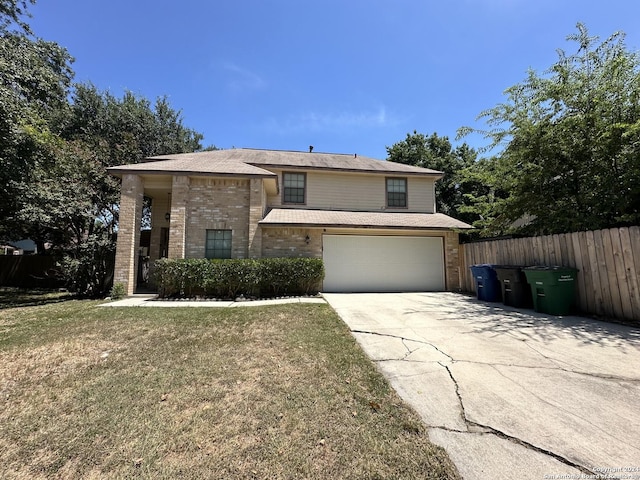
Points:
(218, 244)
(294, 187)
(396, 192)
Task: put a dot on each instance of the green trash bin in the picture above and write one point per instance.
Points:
(553, 288)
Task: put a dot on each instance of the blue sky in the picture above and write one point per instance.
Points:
(347, 76)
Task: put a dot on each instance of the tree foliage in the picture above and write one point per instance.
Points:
(56, 141)
(436, 153)
(571, 138)
(12, 13)
(35, 79)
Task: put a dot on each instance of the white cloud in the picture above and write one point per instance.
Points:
(331, 121)
(241, 79)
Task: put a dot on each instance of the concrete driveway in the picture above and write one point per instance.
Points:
(508, 393)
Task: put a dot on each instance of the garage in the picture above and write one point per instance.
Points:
(376, 263)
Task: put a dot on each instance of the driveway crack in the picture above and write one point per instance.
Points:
(403, 339)
(493, 431)
(479, 428)
(530, 446)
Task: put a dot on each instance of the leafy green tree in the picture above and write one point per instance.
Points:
(12, 13)
(128, 129)
(571, 139)
(436, 152)
(35, 77)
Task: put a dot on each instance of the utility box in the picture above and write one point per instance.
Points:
(553, 289)
(487, 284)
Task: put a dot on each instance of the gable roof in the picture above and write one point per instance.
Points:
(255, 162)
(289, 217)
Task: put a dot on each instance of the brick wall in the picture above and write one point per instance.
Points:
(221, 204)
(452, 261)
(126, 264)
(179, 203)
(291, 242)
(256, 210)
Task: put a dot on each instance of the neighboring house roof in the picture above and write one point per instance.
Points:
(248, 161)
(287, 217)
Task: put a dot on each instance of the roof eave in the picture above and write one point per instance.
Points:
(437, 175)
(359, 226)
(119, 172)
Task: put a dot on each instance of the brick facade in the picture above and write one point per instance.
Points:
(131, 200)
(197, 204)
(177, 224)
(291, 242)
(257, 203)
(452, 261)
(218, 204)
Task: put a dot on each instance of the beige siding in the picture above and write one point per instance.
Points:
(359, 192)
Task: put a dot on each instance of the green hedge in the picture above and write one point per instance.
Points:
(264, 277)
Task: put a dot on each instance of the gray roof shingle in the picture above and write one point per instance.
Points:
(333, 218)
(248, 161)
(194, 163)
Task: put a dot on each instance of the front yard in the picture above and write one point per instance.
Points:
(257, 392)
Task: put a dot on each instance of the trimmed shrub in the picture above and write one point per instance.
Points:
(265, 277)
(118, 291)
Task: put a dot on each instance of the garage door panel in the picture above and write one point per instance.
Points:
(359, 263)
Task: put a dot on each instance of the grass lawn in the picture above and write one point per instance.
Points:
(257, 392)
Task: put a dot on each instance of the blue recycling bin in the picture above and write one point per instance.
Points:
(487, 283)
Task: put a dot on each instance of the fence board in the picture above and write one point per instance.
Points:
(594, 270)
(608, 264)
(621, 274)
(610, 270)
(634, 241)
(583, 281)
(593, 285)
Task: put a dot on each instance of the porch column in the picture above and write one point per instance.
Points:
(256, 208)
(178, 220)
(131, 199)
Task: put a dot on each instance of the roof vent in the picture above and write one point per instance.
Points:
(310, 148)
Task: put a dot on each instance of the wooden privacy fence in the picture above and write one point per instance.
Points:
(608, 263)
(28, 271)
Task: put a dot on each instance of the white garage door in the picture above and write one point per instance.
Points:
(359, 263)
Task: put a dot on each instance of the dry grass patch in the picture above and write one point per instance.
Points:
(273, 392)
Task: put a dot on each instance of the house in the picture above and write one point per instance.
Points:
(19, 247)
(373, 222)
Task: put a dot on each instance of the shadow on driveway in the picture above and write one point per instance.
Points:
(508, 393)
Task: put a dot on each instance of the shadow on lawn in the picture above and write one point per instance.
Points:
(498, 319)
(20, 297)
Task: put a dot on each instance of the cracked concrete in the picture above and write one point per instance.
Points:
(508, 393)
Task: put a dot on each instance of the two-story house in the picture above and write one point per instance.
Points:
(373, 222)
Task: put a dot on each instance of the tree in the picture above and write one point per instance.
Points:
(11, 13)
(571, 138)
(35, 77)
(128, 129)
(56, 142)
(436, 152)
